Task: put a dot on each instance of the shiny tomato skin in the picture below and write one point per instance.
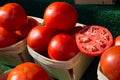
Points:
(7, 38)
(73, 31)
(28, 71)
(117, 40)
(31, 22)
(12, 16)
(93, 40)
(62, 47)
(39, 37)
(110, 63)
(61, 16)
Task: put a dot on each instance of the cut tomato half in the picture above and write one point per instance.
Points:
(93, 40)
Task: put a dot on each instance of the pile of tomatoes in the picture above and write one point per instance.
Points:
(57, 37)
(60, 39)
(14, 24)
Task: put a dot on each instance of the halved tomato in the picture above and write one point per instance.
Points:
(93, 40)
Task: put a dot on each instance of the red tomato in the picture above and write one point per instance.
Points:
(39, 37)
(117, 40)
(12, 16)
(7, 38)
(62, 47)
(74, 30)
(93, 40)
(23, 33)
(60, 15)
(28, 71)
(110, 63)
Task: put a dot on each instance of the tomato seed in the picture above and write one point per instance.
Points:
(101, 43)
(84, 40)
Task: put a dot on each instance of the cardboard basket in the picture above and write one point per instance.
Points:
(100, 75)
(72, 69)
(15, 54)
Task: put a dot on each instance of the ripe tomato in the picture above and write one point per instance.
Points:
(28, 71)
(7, 38)
(62, 47)
(23, 33)
(117, 40)
(93, 40)
(12, 16)
(39, 37)
(73, 31)
(60, 15)
(110, 63)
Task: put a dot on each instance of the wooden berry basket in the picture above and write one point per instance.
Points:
(15, 54)
(100, 75)
(72, 69)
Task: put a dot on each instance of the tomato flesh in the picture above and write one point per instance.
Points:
(93, 40)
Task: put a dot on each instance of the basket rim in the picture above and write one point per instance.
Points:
(100, 75)
(54, 63)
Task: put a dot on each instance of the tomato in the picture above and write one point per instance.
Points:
(39, 37)
(23, 33)
(7, 38)
(110, 63)
(117, 40)
(93, 40)
(62, 47)
(60, 15)
(73, 31)
(12, 16)
(28, 71)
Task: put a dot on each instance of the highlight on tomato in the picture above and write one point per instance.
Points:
(28, 71)
(93, 40)
(60, 16)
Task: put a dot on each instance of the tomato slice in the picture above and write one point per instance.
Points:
(93, 40)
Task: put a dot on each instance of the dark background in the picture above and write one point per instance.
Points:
(105, 15)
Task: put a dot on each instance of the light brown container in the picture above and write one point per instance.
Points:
(100, 75)
(72, 69)
(15, 54)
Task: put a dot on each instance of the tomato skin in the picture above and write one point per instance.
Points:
(61, 16)
(7, 38)
(39, 37)
(93, 40)
(12, 16)
(62, 47)
(74, 30)
(117, 40)
(23, 33)
(28, 71)
(109, 63)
